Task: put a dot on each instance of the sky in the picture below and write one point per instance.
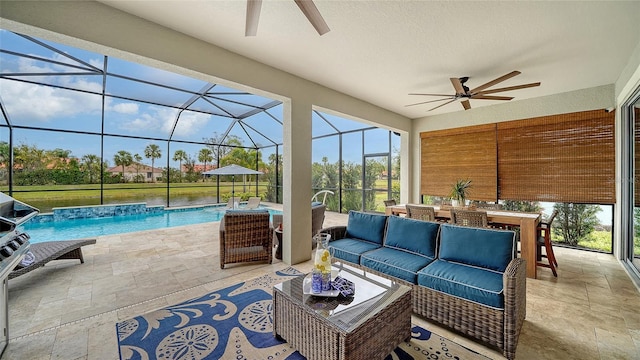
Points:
(61, 108)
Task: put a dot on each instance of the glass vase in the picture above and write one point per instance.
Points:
(321, 255)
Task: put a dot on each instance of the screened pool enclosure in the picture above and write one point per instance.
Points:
(81, 128)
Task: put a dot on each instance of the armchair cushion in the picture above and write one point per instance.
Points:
(485, 248)
(368, 227)
(467, 282)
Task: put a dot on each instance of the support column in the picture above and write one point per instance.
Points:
(297, 181)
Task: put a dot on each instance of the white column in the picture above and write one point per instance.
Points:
(297, 181)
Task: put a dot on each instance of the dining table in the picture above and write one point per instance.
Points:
(527, 222)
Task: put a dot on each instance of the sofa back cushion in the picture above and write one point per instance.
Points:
(485, 248)
(363, 226)
(411, 235)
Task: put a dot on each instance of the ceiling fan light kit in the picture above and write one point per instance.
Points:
(307, 7)
(463, 94)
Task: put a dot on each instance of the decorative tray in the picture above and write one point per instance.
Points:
(306, 286)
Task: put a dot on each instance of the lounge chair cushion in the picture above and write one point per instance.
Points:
(53, 250)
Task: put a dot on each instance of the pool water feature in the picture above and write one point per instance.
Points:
(109, 225)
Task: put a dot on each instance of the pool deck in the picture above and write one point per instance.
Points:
(68, 311)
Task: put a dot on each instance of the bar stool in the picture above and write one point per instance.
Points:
(544, 240)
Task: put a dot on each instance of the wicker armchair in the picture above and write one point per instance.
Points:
(245, 236)
(317, 220)
(473, 218)
(425, 213)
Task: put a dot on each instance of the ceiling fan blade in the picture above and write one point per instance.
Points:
(509, 88)
(466, 104)
(447, 95)
(457, 85)
(490, 97)
(426, 102)
(495, 81)
(448, 102)
(253, 16)
(313, 15)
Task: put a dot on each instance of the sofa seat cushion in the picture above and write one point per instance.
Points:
(369, 227)
(397, 263)
(486, 248)
(475, 284)
(412, 235)
(350, 249)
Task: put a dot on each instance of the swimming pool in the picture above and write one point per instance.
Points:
(93, 227)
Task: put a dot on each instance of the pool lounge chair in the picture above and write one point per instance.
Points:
(232, 201)
(253, 203)
(53, 250)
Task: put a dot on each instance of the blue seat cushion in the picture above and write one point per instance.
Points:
(414, 236)
(369, 227)
(479, 285)
(486, 248)
(350, 249)
(397, 263)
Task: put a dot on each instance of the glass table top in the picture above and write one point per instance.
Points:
(372, 294)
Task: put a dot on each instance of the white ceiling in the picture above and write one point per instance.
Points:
(379, 51)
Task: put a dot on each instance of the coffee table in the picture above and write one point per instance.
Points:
(367, 326)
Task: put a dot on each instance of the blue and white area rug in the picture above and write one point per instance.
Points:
(236, 323)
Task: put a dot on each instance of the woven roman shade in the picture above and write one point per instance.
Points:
(461, 153)
(559, 158)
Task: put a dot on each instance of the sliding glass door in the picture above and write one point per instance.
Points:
(631, 189)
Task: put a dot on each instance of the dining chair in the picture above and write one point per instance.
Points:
(425, 213)
(487, 206)
(544, 240)
(472, 218)
(390, 202)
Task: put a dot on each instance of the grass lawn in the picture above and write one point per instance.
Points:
(597, 240)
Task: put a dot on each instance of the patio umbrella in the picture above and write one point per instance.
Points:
(232, 170)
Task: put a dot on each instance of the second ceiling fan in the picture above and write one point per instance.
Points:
(307, 7)
(463, 94)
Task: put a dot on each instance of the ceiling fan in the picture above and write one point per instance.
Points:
(307, 7)
(463, 94)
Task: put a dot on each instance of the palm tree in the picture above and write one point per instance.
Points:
(91, 164)
(137, 159)
(204, 156)
(152, 151)
(123, 158)
(179, 156)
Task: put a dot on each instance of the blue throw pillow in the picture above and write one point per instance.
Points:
(369, 227)
(486, 248)
(412, 235)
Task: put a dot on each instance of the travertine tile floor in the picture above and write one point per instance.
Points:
(69, 311)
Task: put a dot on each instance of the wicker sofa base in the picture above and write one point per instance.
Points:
(496, 328)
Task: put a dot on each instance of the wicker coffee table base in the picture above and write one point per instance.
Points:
(315, 338)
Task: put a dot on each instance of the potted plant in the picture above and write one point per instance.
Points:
(459, 192)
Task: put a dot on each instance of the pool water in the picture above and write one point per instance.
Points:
(93, 227)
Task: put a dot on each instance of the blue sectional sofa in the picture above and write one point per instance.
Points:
(468, 279)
